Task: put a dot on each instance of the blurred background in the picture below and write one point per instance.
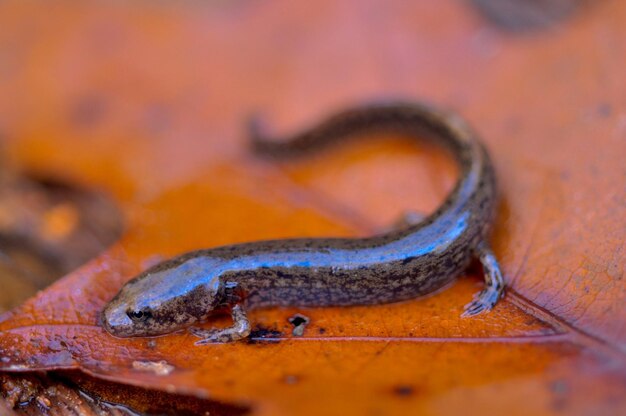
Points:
(100, 77)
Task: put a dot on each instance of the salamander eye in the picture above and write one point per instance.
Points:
(139, 316)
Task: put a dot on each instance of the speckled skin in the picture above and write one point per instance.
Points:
(396, 266)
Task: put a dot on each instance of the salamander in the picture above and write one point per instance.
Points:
(401, 264)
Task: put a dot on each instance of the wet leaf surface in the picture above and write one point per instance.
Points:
(147, 103)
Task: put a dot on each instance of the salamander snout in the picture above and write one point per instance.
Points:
(115, 320)
(165, 298)
(124, 320)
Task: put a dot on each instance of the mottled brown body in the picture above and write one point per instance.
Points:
(399, 265)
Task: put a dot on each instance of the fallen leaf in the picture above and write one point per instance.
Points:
(173, 84)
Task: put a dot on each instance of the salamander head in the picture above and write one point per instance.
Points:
(167, 297)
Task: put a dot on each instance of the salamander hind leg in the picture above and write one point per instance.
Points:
(486, 299)
(240, 329)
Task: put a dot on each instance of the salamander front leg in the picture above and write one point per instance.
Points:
(486, 299)
(240, 329)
